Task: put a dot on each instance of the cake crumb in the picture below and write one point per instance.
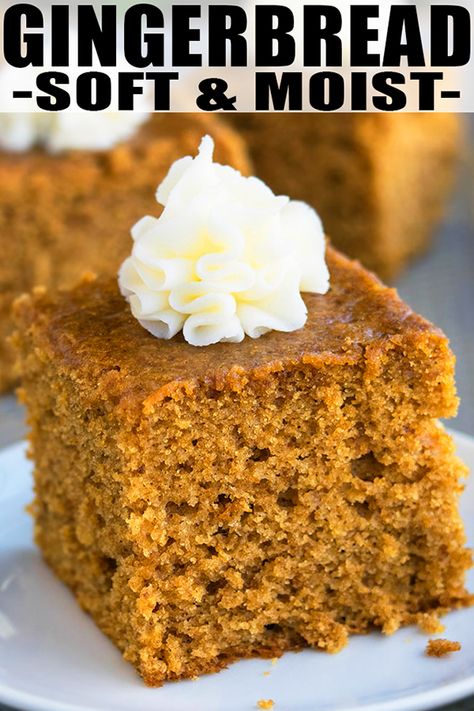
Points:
(266, 673)
(274, 660)
(265, 704)
(441, 647)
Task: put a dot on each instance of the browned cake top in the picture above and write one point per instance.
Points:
(90, 330)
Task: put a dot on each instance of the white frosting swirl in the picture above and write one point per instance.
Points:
(225, 258)
(62, 130)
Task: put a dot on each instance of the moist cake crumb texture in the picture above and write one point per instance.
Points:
(208, 504)
(441, 647)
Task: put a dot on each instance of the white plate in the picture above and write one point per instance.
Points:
(53, 658)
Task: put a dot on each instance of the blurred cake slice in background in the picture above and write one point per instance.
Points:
(66, 208)
(380, 182)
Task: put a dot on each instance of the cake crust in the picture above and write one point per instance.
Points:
(91, 330)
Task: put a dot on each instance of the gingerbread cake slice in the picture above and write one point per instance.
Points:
(207, 504)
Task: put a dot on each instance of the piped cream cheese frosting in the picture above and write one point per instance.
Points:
(56, 132)
(225, 259)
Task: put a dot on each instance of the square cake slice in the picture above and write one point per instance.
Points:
(207, 504)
